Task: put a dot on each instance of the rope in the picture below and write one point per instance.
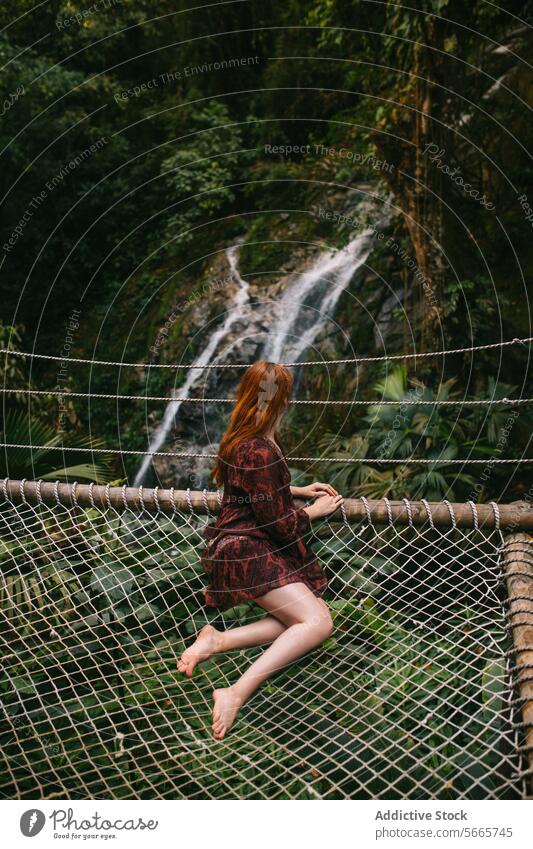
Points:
(365, 359)
(409, 511)
(376, 460)
(475, 517)
(429, 514)
(389, 511)
(427, 354)
(353, 403)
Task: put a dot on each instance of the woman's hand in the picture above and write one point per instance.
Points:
(313, 490)
(324, 505)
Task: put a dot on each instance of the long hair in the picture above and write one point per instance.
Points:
(262, 396)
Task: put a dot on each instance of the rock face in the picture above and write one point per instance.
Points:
(286, 321)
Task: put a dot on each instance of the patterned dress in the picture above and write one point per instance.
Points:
(256, 543)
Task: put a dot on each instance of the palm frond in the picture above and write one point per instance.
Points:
(26, 461)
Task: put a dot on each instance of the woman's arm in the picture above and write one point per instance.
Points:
(327, 499)
(258, 470)
(259, 474)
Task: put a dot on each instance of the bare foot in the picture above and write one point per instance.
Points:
(208, 643)
(225, 709)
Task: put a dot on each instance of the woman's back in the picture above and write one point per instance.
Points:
(259, 529)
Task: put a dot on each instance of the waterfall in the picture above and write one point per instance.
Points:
(276, 329)
(236, 310)
(308, 304)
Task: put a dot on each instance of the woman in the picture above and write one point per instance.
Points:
(255, 549)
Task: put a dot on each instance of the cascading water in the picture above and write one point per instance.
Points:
(236, 311)
(308, 304)
(279, 329)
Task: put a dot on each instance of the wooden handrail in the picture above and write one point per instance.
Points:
(517, 516)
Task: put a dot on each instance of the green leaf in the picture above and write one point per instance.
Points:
(113, 582)
(24, 684)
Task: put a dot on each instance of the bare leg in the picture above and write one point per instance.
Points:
(210, 641)
(308, 622)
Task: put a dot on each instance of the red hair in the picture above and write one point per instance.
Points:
(262, 396)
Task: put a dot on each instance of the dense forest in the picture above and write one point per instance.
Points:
(141, 140)
(208, 184)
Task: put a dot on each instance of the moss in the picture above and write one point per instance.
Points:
(278, 244)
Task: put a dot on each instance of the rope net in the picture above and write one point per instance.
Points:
(413, 696)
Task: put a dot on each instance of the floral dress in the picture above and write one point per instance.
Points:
(256, 543)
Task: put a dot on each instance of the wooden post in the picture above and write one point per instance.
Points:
(518, 568)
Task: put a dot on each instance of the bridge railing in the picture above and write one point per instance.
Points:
(515, 516)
